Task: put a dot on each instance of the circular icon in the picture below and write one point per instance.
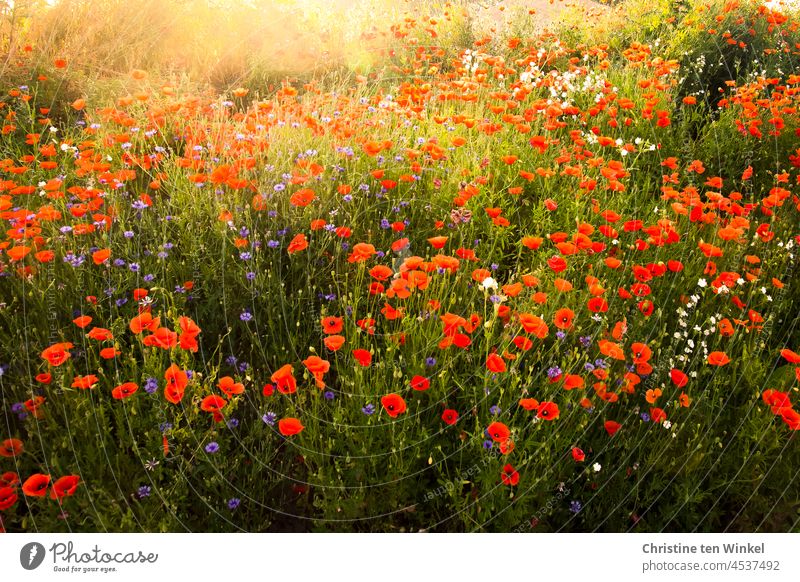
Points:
(31, 555)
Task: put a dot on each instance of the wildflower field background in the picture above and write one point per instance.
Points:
(406, 266)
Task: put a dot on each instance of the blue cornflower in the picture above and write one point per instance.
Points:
(150, 385)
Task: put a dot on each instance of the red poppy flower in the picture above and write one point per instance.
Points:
(495, 364)
(124, 390)
(332, 325)
(612, 427)
(533, 324)
(578, 455)
(109, 353)
(678, 378)
(8, 497)
(363, 357)
(290, 426)
(572, 381)
(36, 485)
(791, 418)
(499, 432)
(548, 411)
(318, 368)
(9, 478)
(509, 476)
(597, 305)
(790, 356)
(658, 415)
(557, 264)
(420, 383)
(284, 379)
(11, 448)
(450, 416)
(213, 403)
(144, 321)
(100, 334)
(641, 353)
(393, 404)
(163, 338)
(65, 487)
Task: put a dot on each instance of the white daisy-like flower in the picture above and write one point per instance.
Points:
(489, 283)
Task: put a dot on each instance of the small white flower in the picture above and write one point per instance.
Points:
(702, 283)
(597, 467)
(489, 283)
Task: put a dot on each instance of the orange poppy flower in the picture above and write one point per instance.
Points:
(718, 358)
(57, 354)
(318, 368)
(85, 382)
(334, 342)
(230, 387)
(297, 244)
(563, 318)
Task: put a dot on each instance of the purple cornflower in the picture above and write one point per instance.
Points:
(270, 418)
(212, 447)
(150, 385)
(369, 409)
(143, 491)
(233, 503)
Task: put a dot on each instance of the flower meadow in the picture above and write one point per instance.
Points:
(529, 280)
